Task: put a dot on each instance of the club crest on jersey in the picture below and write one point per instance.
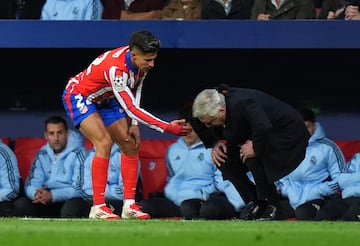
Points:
(119, 83)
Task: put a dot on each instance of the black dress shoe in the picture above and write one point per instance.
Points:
(251, 211)
(272, 212)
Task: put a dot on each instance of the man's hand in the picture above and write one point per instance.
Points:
(247, 150)
(219, 154)
(352, 13)
(43, 196)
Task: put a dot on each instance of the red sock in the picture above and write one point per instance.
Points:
(129, 173)
(99, 173)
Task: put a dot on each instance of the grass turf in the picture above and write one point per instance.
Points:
(51, 232)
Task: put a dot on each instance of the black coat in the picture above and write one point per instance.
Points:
(240, 9)
(277, 130)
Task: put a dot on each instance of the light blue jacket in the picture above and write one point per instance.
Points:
(9, 174)
(350, 181)
(114, 186)
(193, 175)
(61, 174)
(309, 181)
(72, 10)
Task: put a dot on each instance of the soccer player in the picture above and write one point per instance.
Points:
(103, 102)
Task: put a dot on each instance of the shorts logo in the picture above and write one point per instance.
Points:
(84, 109)
(151, 165)
(119, 83)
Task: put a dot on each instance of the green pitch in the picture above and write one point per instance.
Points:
(16, 231)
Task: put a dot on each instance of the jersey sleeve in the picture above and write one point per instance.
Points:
(131, 106)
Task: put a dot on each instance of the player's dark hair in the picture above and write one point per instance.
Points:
(144, 41)
(308, 114)
(56, 120)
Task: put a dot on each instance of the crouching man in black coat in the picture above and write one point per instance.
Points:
(251, 130)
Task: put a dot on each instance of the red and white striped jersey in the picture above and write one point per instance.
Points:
(112, 75)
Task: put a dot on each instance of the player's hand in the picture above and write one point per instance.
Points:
(134, 132)
(178, 127)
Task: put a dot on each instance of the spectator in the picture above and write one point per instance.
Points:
(352, 11)
(283, 9)
(9, 180)
(318, 3)
(347, 208)
(182, 10)
(104, 103)
(340, 10)
(30, 9)
(195, 188)
(53, 186)
(133, 9)
(315, 178)
(226, 9)
(72, 10)
(114, 186)
(8, 9)
(262, 134)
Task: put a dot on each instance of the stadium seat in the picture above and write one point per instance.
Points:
(153, 168)
(25, 149)
(88, 144)
(349, 147)
(6, 140)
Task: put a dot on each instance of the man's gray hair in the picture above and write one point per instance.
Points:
(208, 103)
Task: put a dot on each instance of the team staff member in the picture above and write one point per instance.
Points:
(103, 102)
(262, 132)
(9, 180)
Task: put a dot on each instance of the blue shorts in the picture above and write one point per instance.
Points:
(78, 109)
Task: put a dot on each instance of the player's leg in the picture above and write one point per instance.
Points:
(93, 128)
(119, 130)
(88, 118)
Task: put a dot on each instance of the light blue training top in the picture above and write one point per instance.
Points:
(310, 180)
(72, 10)
(9, 174)
(193, 175)
(61, 173)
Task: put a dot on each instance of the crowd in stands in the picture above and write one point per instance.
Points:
(179, 9)
(324, 187)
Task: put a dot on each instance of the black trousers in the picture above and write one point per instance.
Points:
(72, 208)
(340, 209)
(235, 171)
(160, 207)
(217, 207)
(7, 209)
(309, 210)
